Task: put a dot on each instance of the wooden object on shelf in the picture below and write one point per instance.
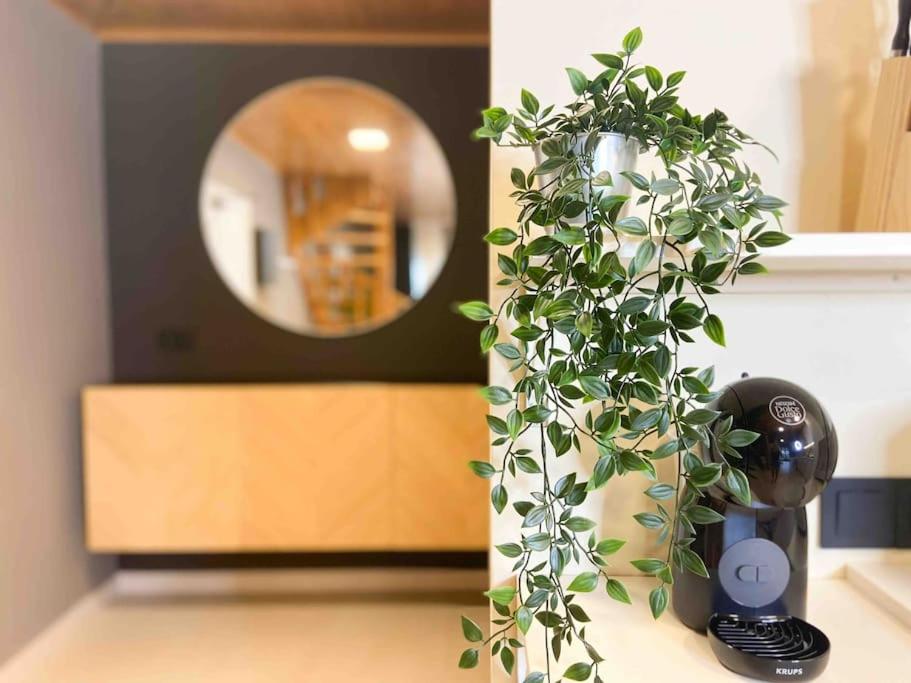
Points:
(885, 202)
(234, 468)
(401, 22)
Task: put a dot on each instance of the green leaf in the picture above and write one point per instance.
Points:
(608, 423)
(649, 520)
(713, 202)
(772, 239)
(632, 40)
(578, 613)
(604, 470)
(680, 226)
(692, 562)
(499, 497)
(496, 395)
(497, 425)
(632, 225)
(769, 203)
(633, 305)
(508, 351)
(705, 475)
(476, 310)
(609, 546)
(714, 329)
(657, 601)
(503, 595)
(653, 76)
(675, 78)
(647, 419)
(585, 582)
(540, 245)
(501, 237)
(639, 181)
(665, 186)
(603, 179)
(665, 450)
(514, 423)
(488, 337)
(595, 387)
(660, 491)
(570, 236)
(548, 618)
(469, 659)
(471, 630)
(700, 416)
(579, 524)
(584, 323)
(580, 671)
(527, 465)
(523, 619)
(482, 468)
(538, 541)
(740, 437)
(737, 483)
(508, 659)
(529, 102)
(537, 414)
(644, 255)
(651, 328)
(527, 332)
(649, 565)
(752, 268)
(535, 677)
(618, 592)
(510, 549)
(611, 61)
(577, 80)
(517, 176)
(699, 514)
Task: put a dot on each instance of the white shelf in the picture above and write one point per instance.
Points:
(840, 251)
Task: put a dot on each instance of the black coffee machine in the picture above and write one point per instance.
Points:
(754, 603)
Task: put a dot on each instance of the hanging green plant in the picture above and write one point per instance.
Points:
(595, 337)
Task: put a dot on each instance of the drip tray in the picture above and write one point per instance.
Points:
(769, 648)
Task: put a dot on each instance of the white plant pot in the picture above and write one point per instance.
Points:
(613, 153)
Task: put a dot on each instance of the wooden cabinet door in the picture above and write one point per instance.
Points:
(233, 468)
(439, 503)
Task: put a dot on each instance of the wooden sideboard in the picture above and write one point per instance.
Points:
(297, 467)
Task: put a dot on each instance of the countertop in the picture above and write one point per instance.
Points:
(870, 642)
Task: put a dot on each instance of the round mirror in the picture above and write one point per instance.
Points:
(327, 207)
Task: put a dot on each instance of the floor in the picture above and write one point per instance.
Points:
(333, 635)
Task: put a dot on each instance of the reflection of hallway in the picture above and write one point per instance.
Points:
(404, 635)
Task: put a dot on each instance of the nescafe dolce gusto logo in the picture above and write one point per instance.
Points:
(787, 410)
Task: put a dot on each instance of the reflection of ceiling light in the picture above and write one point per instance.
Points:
(368, 139)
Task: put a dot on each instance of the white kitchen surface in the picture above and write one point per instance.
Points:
(868, 644)
(888, 584)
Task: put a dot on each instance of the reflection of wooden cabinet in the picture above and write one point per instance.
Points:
(284, 467)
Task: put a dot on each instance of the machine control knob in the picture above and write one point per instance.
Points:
(754, 572)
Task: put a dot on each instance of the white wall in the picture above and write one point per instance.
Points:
(251, 196)
(796, 74)
(53, 304)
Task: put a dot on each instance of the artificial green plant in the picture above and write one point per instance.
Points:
(595, 339)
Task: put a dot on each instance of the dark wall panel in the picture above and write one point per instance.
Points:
(173, 318)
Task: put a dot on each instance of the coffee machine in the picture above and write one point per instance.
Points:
(754, 603)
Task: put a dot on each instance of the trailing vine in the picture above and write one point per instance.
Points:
(595, 339)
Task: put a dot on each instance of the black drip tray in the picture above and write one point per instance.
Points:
(769, 648)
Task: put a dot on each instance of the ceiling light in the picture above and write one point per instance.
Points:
(368, 139)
